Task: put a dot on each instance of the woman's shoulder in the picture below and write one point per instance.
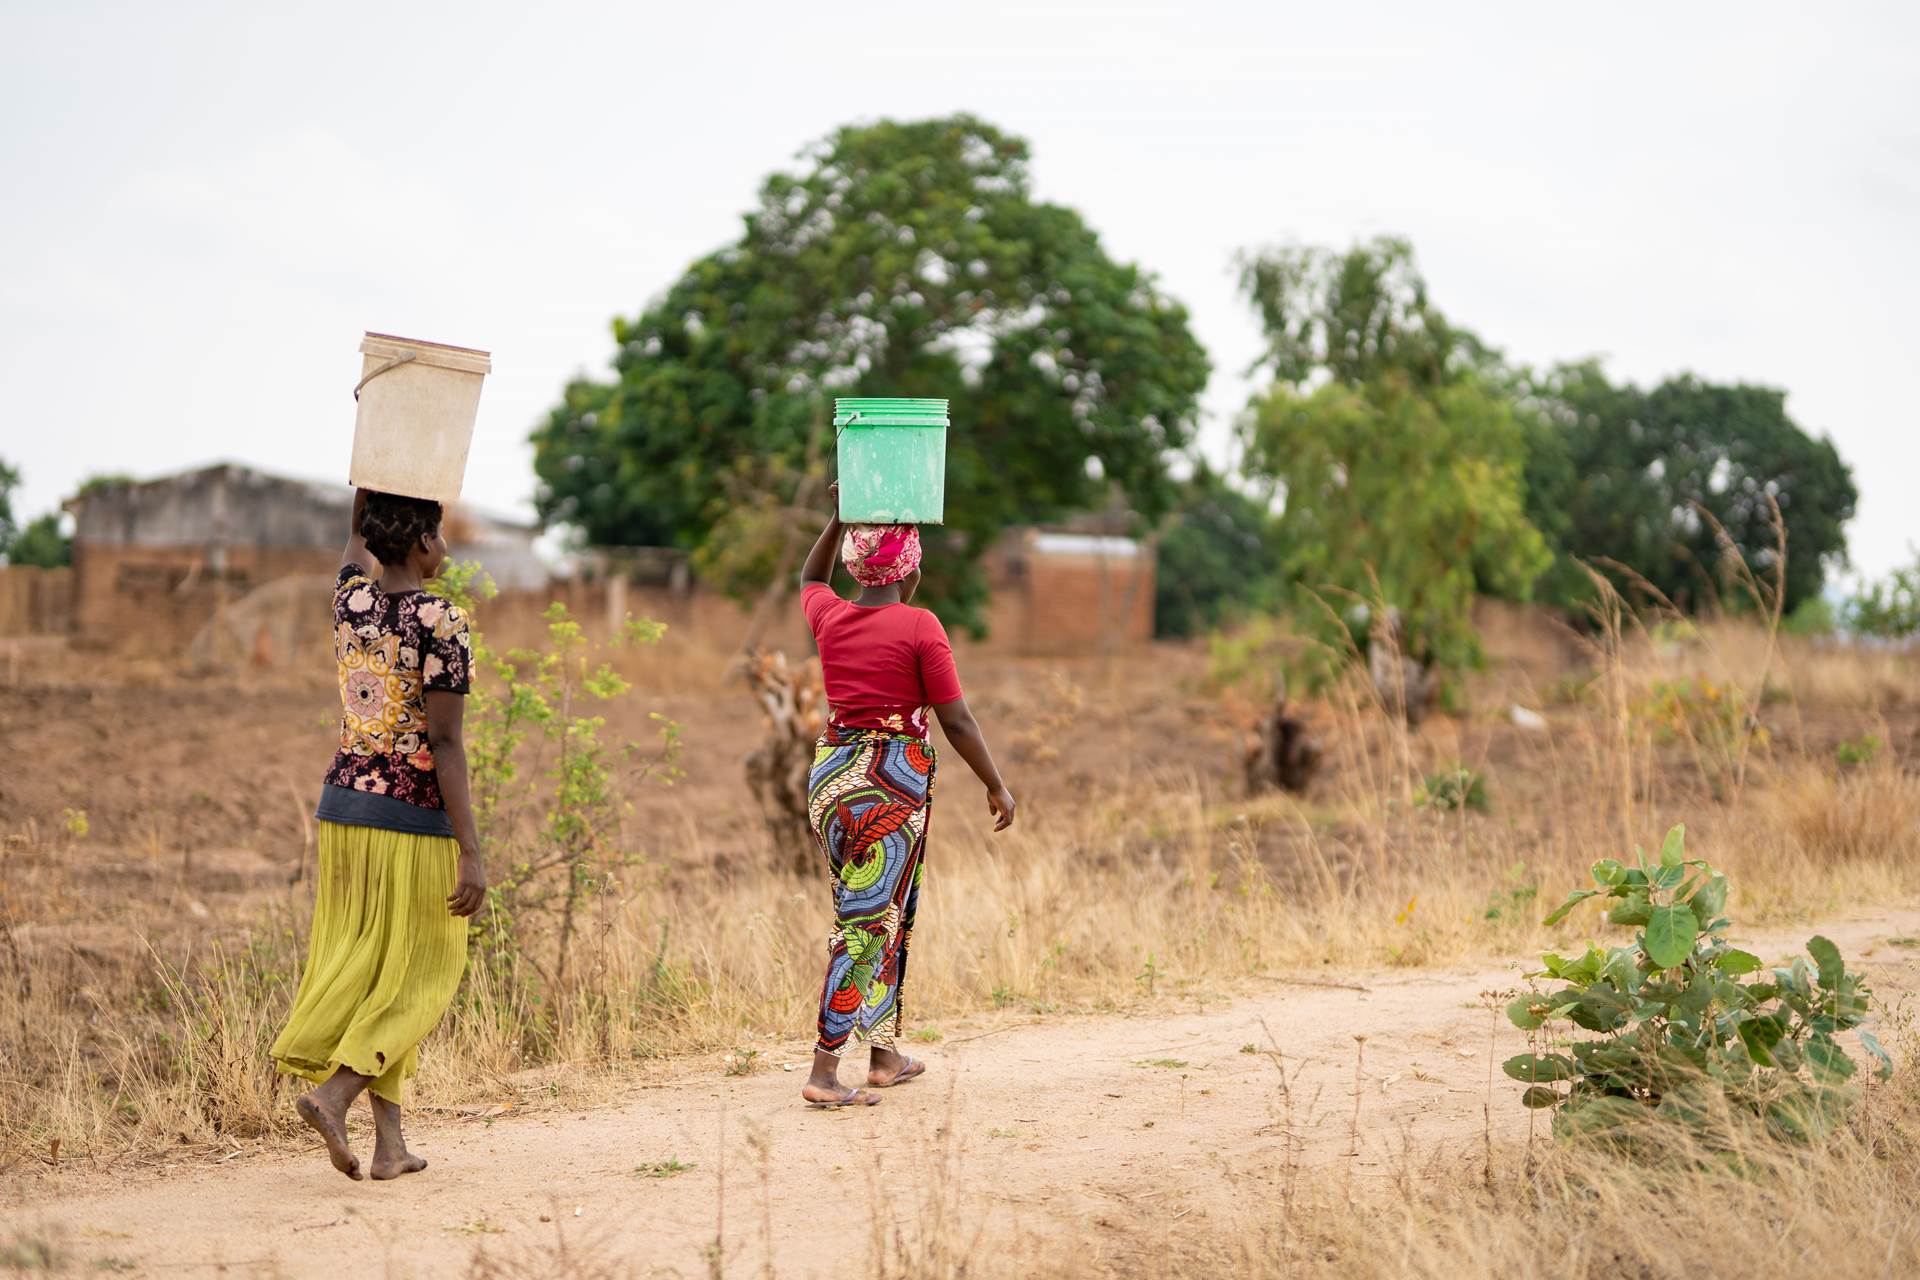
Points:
(437, 611)
(926, 621)
(354, 592)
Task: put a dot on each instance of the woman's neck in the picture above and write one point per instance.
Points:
(401, 577)
(874, 597)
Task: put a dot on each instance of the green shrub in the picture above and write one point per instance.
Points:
(553, 833)
(1452, 789)
(1677, 1035)
(1890, 608)
(1857, 751)
(1814, 616)
(1515, 897)
(1265, 653)
(1697, 709)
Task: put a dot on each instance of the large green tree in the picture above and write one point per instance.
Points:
(1651, 479)
(1219, 557)
(1392, 446)
(902, 259)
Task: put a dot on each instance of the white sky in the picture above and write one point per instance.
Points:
(204, 205)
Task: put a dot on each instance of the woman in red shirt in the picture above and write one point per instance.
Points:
(885, 663)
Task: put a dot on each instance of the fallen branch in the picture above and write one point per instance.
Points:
(1313, 982)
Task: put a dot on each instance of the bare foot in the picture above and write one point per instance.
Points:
(832, 1095)
(888, 1068)
(386, 1167)
(332, 1129)
(391, 1159)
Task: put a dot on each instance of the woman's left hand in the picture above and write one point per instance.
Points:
(1000, 804)
(470, 890)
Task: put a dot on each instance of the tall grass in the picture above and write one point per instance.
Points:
(1152, 878)
(1758, 1207)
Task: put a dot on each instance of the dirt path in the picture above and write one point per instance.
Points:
(1099, 1127)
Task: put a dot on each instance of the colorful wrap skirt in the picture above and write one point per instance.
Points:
(384, 961)
(869, 799)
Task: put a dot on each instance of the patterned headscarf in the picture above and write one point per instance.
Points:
(878, 555)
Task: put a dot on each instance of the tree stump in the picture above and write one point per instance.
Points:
(795, 705)
(1282, 753)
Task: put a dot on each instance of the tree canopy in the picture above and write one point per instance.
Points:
(1649, 479)
(902, 259)
(40, 541)
(1398, 463)
(1888, 609)
(1219, 557)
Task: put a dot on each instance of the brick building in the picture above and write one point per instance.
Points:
(1064, 592)
(157, 562)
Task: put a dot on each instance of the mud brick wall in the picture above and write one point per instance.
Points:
(156, 600)
(35, 601)
(1059, 604)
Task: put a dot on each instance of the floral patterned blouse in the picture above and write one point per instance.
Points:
(391, 649)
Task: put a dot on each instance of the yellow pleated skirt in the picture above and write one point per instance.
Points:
(384, 961)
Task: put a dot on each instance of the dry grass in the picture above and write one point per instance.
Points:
(1747, 1205)
(1756, 1208)
(1148, 880)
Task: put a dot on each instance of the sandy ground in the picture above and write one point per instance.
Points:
(1098, 1131)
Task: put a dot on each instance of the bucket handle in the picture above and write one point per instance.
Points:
(394, 363)
(844, 425)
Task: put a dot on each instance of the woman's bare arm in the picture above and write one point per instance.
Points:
(819, 562)
(446, 721)
(964, 735)
(356, 552)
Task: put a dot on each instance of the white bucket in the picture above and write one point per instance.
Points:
(417, 405)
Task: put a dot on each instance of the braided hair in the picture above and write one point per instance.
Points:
(393, 525)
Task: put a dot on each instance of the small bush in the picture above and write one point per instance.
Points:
(1814, 616)
(1454, 789)
(1260, 656)
(1697, 709)
(1514, 898)
(1679, 1036)
(1857, 751)
(1674, 633)
(1888, 609)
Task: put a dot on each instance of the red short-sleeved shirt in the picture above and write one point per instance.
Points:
(884, 666)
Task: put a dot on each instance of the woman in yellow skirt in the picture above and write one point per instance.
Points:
(399, 856)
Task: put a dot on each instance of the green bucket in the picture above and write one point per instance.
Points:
(893, 460)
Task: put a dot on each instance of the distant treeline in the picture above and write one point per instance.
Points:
(1393, 456)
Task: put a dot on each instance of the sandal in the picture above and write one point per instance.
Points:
(911, 1069)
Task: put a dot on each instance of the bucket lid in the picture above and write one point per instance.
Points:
(387, 346)
(889, 412)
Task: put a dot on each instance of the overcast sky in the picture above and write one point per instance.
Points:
(205, 205)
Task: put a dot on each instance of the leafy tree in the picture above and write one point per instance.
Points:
(1398, 453)
(41, 543)
(1216, 559)
(1352, 317)
(904, 259)
(1890, 608)
(1648, 478)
